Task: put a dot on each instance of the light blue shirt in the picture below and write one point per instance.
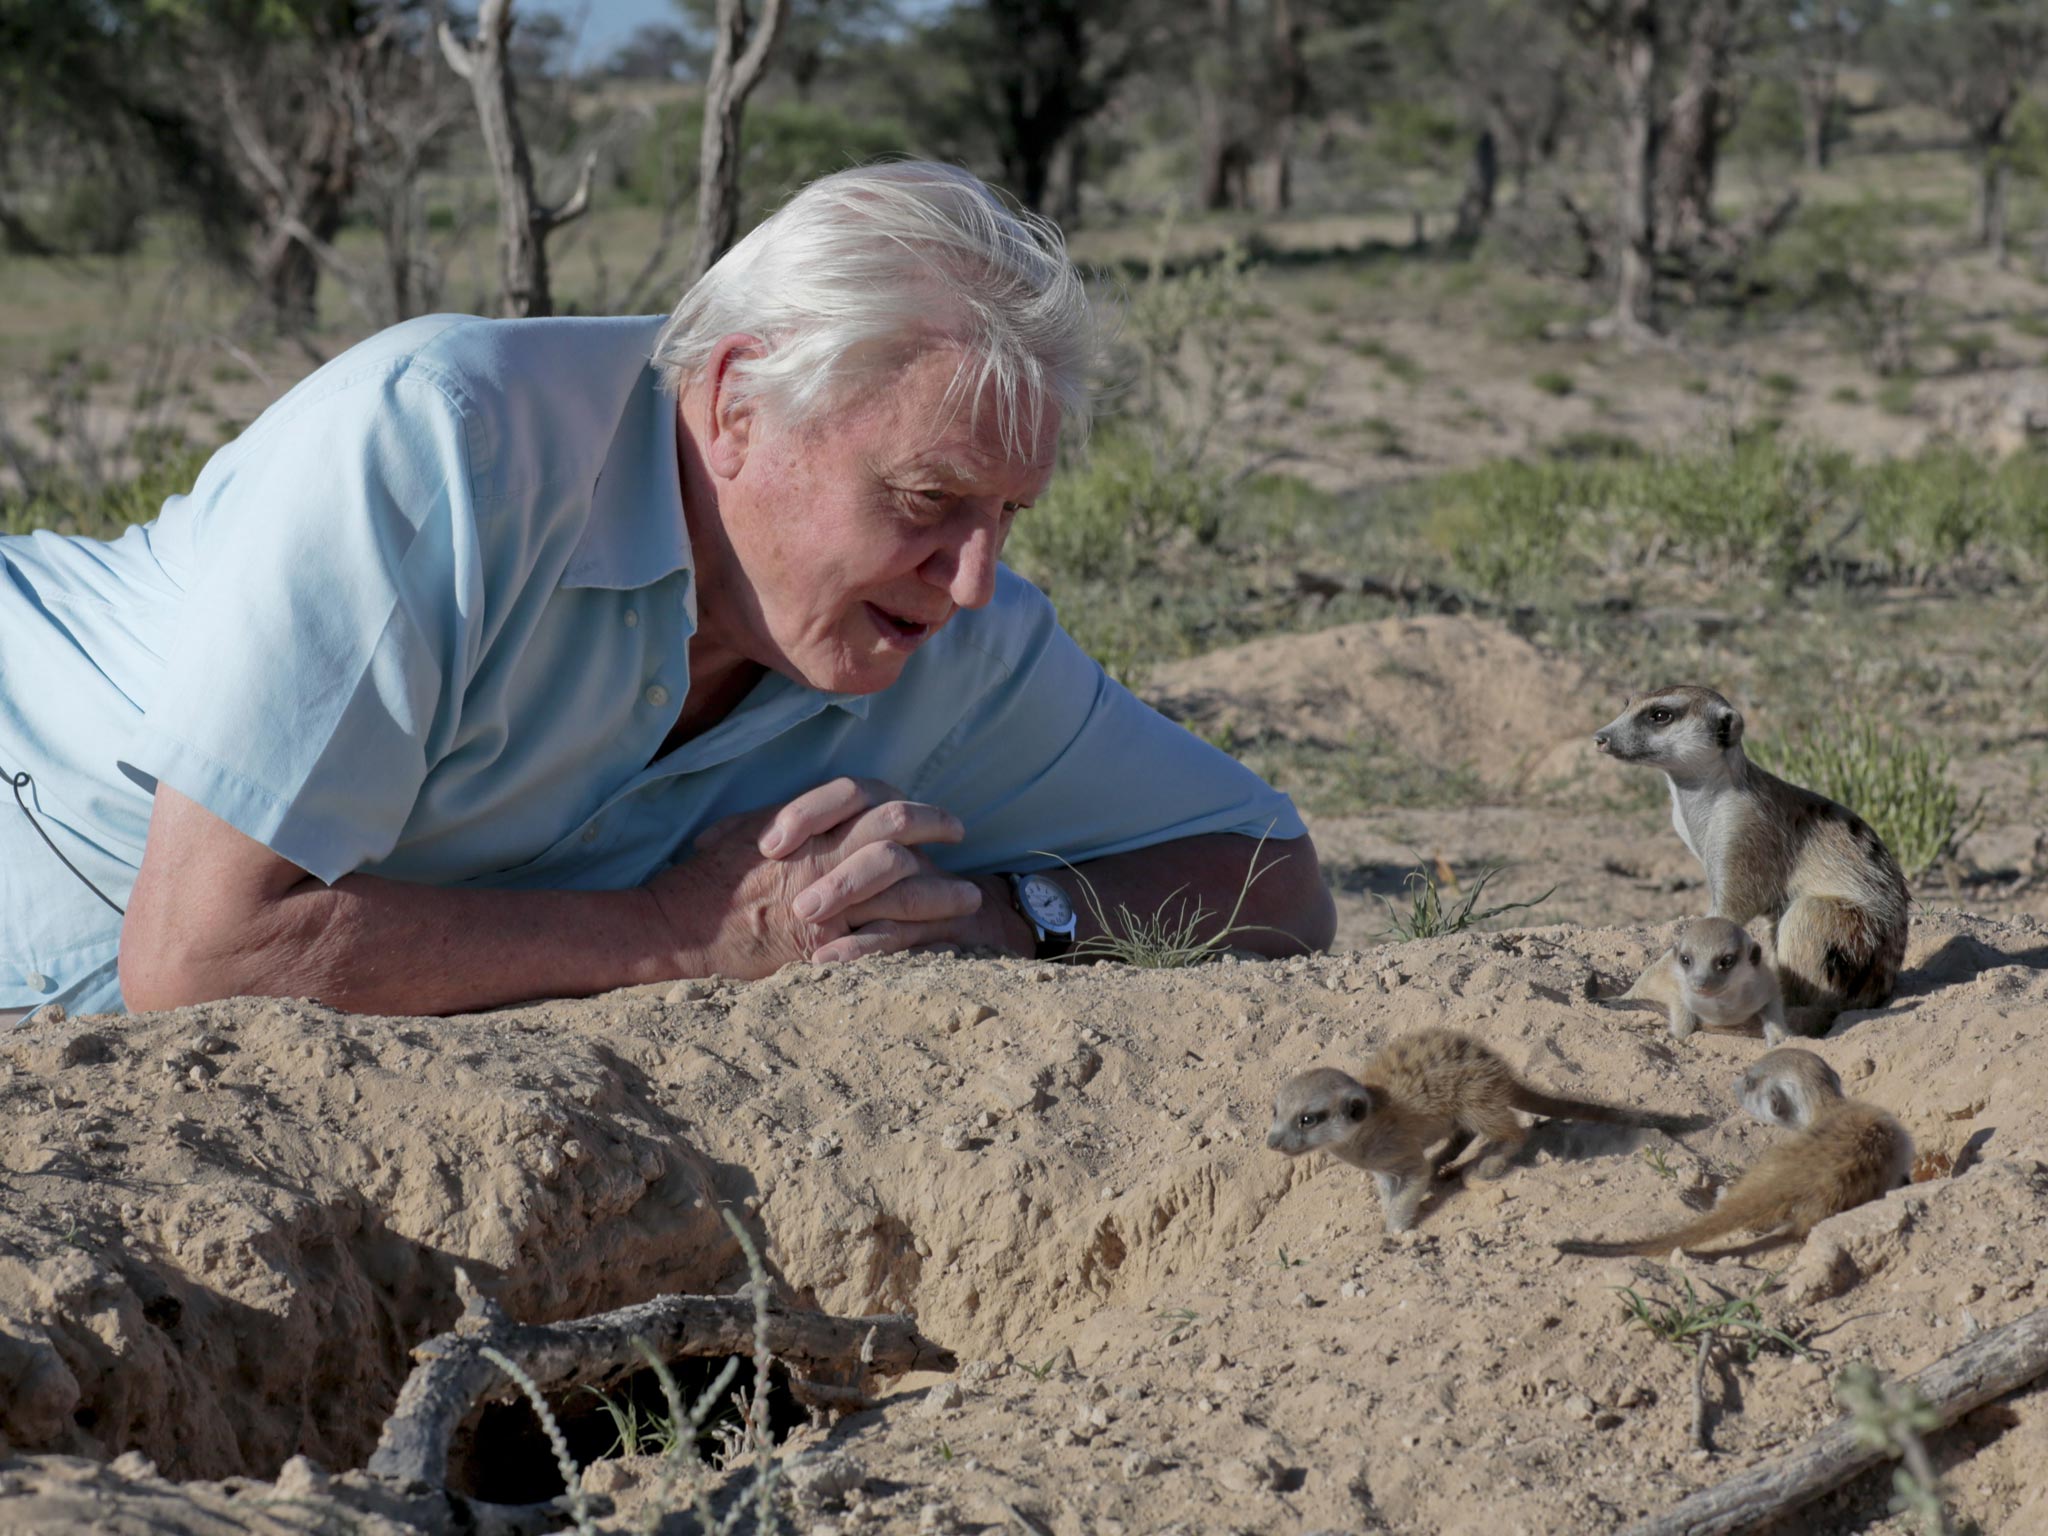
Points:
(428, 618)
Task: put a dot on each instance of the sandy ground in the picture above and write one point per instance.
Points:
(222, 1228)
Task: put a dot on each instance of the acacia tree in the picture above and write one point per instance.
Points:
(1974, 60)
(1629, 35)
(1718, 34)
(1821, 38)
(524, 222)
(739, 57)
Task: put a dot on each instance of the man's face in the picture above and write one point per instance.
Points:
(848, 543)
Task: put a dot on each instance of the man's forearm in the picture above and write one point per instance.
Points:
(1286, 907)
(369, 945)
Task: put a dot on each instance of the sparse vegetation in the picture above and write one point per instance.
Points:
(1900, 786)
(1555, 382)
(1889, 1416)
(1428, 918)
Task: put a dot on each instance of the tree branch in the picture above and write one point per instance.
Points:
(1988, 1367)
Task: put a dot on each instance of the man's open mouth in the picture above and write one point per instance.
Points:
(900, 629)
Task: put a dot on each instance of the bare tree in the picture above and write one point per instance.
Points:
(1702, 113)
(1219, 86)
(524, 222)
(1286, 97)
(1822, 37)
(738, 60)
(1973, 59)
(1629, 35)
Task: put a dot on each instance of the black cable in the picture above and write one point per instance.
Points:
(21, 781)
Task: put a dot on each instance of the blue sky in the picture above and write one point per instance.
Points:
(605, 23)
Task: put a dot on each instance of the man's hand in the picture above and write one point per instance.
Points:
(836, 874)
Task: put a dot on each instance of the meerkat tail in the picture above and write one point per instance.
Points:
(1538, 1103)
(1739, 1209)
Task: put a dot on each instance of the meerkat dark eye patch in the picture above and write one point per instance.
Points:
(1658, 716)
(1309, 1119)
(1685, 959)
(1724, 962)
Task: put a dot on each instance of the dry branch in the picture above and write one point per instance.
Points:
(452, 1375)
(1988, 1367)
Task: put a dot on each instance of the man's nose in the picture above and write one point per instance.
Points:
(971, 580)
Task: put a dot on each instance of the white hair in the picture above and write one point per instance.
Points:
(866, 268)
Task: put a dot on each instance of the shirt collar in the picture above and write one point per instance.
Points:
(636, 533)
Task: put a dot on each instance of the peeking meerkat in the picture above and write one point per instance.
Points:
(1788, 1087)
(1826, 892)
(1422, 1088)
(1713, 975)
(1844, 1153)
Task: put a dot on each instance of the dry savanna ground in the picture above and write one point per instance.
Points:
(222, 1230)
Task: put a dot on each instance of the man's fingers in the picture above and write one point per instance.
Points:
(920, 899)
(868, 872)
(879, 938)
(908, 822)
(820, 810)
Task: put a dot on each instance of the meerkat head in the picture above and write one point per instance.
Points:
(1678, 728)
(1787, 1087)
(1715, 953)
(1317, 1109)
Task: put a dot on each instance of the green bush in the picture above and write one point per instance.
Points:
(170, 465)
(1109, 511)
(1900, 786)
(1752, 505)
(1505, 525)
(1925, 511)
(1554, 381)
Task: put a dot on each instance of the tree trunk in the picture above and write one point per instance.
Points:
(1632, 49)
(1482, 181)
(1689, 155)
(1288, 97)
(305, 195)
(1992, 176)
(1219, 77)
(524, 223)
(737, 64)
(1070, 171)
(1817, 116)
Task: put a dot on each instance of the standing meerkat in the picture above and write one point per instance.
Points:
(1828, 894)
(1713, 975)
(1845, 1153)
(1422, 1088)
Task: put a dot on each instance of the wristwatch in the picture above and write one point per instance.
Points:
(1046, 908)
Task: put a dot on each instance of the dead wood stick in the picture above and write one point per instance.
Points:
(1988, 1367)
(452, 1374)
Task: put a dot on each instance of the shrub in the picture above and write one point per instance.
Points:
(170, 465)
(1505, 525)
(1750, 505)
(1925, 511)
(1901, 787)
(1555, 382)
(1110, 510)
(787, 144)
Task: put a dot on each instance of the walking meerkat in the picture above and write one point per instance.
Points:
(1845, 1153)
(1713, 975)
(1827, 893)
(1419, 1090)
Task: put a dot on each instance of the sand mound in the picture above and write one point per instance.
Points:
(221, 1230)
(1452, 690)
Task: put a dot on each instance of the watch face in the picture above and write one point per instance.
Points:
(1046, 903)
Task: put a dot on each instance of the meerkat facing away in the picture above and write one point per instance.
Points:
(1713, 975)
(1829, 894)
(1788, 1087)
(1845, 1153)
(1419, 1090)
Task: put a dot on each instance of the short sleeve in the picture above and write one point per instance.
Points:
(1058, 758)
(332, 607)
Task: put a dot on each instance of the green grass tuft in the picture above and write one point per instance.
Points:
(1901, 787)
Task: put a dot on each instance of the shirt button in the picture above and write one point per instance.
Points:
(657, 695)
(38, 982)
(632, 619)
(589, 834)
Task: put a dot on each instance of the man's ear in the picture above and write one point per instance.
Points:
(1728, 726)
(732, 415)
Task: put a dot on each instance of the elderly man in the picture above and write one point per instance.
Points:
(513, 659)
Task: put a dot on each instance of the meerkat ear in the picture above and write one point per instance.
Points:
(1358, 1105)
(1756, 954)
(1727, 726)
(1781, 1106)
